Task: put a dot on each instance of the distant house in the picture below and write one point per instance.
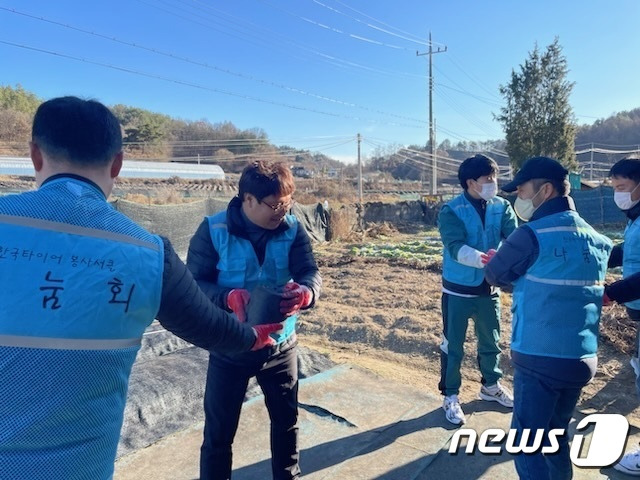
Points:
(300, 171)
(333, 172)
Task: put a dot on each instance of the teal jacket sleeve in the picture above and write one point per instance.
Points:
(452, 230)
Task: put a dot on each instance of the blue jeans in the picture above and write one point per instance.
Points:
(543, 404)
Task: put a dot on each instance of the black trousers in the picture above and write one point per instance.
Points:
(276, 370)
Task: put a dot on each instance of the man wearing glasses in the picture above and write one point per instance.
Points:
(254, 243)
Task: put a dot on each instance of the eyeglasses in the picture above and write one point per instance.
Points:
(280, 207)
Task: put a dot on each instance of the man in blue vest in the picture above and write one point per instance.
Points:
(254, 243)
(79, 284)
(556, 264)
(625, 179)
(471, 225)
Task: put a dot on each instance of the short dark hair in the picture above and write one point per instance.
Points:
(628, 167)
(475, 167)
(563, 187)
(262, 178)
(82, 132)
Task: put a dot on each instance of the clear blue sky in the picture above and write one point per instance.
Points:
(314, 73)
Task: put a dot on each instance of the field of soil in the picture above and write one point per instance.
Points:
(384, 314)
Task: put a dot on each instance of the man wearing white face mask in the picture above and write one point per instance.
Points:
(625, 179)
(556, 264)
(471, 225)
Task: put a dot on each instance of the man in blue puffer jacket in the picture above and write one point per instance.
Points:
(556, 265)
(255, 243)
(80, 282)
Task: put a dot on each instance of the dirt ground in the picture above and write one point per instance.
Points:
(384, 315)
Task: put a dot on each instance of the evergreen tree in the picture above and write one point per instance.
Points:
(537, 118)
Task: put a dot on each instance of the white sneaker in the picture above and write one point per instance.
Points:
(635, 364)
(453, 410)
(630, 464)
(497, 393)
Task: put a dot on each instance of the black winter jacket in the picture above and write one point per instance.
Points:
(627, 289)
(202, 257)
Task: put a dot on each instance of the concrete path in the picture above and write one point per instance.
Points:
(353, 425)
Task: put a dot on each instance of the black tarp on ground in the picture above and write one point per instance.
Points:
(166, 388)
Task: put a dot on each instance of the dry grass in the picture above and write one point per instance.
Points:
(165, 196)
(318, 190)
(341, 223)
(618, 330)
(377, 230)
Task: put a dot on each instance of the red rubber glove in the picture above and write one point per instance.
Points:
(262, 335)
(237, 300)
(606, 301)
(294, 297)
(486, 257)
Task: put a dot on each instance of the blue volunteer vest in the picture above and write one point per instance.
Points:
(631, 255)
(557, 303)
(479, 237)
(238, 265)
(80, 283)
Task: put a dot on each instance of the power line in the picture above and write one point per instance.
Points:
(473, 78)
(296, 43)
(333, 29)
(464, 92)
(201, 87)
(466, 115)
(292, 42)
(603, 150)
(635, 145)
(500, 153)
(230, 144)
(330, 59)
(213, 67)
(199, 22)
(368, 24)
(427, 165)
(417, 39)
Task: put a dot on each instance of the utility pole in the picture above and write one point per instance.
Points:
(591, 169)
(360, 206)
(434, 165)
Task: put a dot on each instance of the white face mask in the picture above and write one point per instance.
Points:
(524, 207)
(489, 190)
(623, 199)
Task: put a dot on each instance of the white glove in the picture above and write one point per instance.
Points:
(470, 257)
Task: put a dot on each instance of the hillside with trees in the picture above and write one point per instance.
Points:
(619, 129)
(151, 135)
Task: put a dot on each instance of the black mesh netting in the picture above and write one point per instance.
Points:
(179, 222)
